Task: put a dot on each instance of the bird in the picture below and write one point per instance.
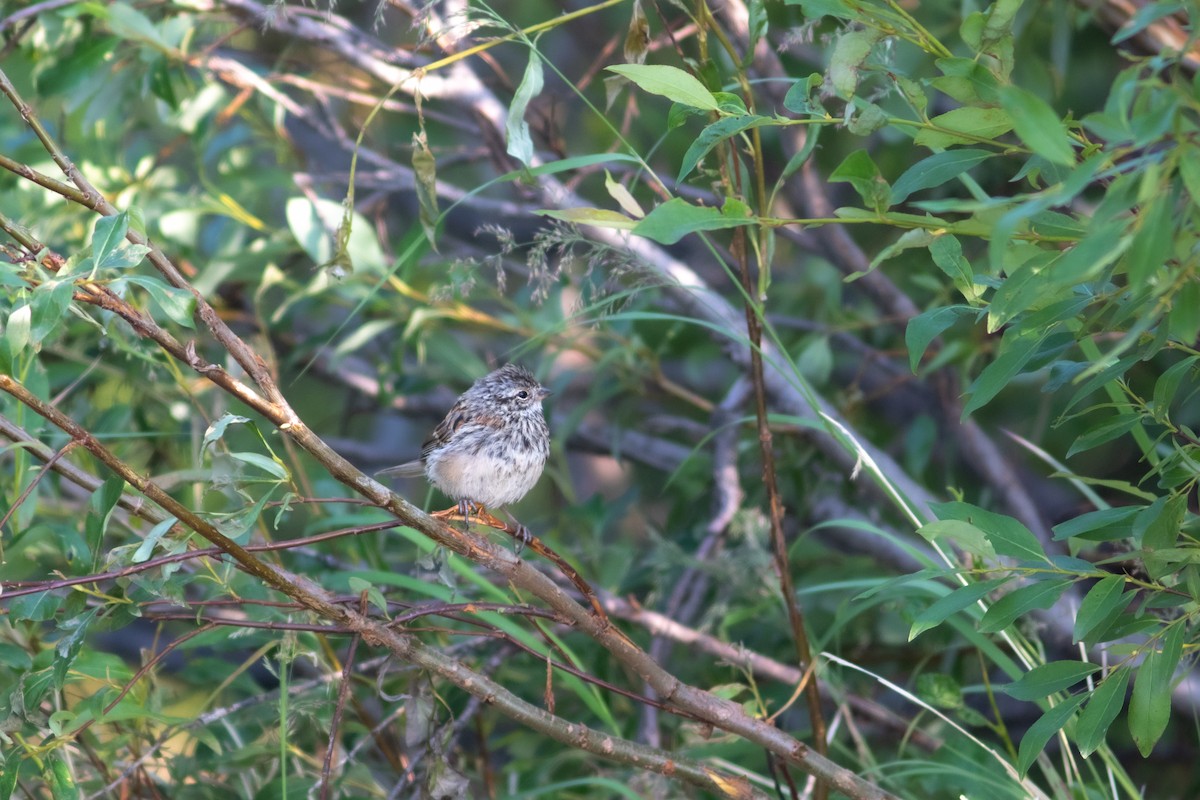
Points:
(490, 449)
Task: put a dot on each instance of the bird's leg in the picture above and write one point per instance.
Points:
(460, 510)
(521, 534)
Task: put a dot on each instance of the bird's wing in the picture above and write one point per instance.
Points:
(457, 417)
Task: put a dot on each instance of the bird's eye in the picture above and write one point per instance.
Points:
(524, 395)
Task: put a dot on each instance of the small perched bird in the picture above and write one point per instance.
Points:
(491, 448)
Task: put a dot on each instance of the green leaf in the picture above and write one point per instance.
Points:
(967, 81)
(359, 585)
(962, 534)
(947, 255)
(217, 429)
(917, 237)
(108, 235)
(1007, 535)
(151, 540)
(1046, 679)
(1106, 431)
(1160, 523)
(936, 170)
(37, 607)
(177, 304)
(849, 53)
(1092, 729)
(8, 776)
(799, 100)
(265, 463)
(670, 82)
(1154, 241)
(1150, 705)
(676, 218)
(62, 785)
(940, 690)
(1105, 599)
(1106, 525)
(1183, 319)
(965, 126)
(815, 9)
(800, 156)
(927, 326)
(716, 133)
(520, 143)
(1025, 286)
(1016, 348)
(600, 217)
(48, 309)
(860, 172)
(1167, 386)
(1038, 126)
(1040, 595)
(128, 22)
(944, 607)
(101, 505)
(67, 648)
(1039, 733)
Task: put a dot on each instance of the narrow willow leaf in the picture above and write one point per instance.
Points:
(1038, 126)
(177, 304)
(1183, 320)
(1110, 429)
(1150, 705)
(965, 126)
(48, 309)
(670, 82)
(716, 133)
(676, 218)
(1006, 534)
(1092, 728)
(936, 170)
(1046, 679)
(945, 607)
(1039, 733)
(927, 326)
(1154, 241)
(962, 534)
(948, 256)
(1103, 525)
(1101, 601)
(1160, 524)
(108, 235)
(151, 540)
(265, 463)
(1036, 596)
(625, 199)
(1016, 348)
(217, 429)
(600, 217)
(1168, 383)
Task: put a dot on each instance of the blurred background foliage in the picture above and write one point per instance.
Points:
(970, 236)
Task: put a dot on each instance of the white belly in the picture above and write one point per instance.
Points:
(483, 479)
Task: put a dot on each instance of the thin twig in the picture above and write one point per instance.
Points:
(343, 692)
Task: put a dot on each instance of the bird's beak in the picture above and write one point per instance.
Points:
(543, 393)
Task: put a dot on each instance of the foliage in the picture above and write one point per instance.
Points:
(890, 312)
